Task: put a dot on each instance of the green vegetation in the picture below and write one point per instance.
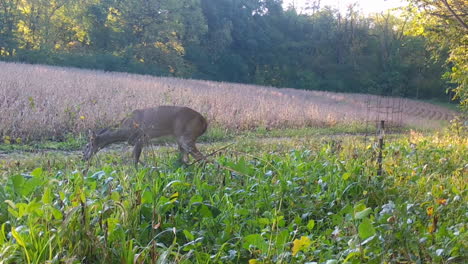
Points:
(242, 41)
(261, 201)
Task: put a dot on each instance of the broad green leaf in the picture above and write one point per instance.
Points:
(47, 196)
(30, 185)
(188, 235)
(56, 213)
(147, 197)
(37, 173)
(282, 239)
(359, 207)
(263, 221)
(35, 207)
(351, 255)
(257, 241)
(311, 224)
(196, 199)
(455, 190)
(112, 224)
(362, 214)
(62, 195)
(205, 211)
(366, 229)
(115, 196)
(22, 209)
(279, 221)
(13, 212)
(18, 182)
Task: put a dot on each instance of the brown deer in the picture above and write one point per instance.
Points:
(185, 124)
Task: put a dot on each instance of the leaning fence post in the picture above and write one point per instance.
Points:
(381, 145)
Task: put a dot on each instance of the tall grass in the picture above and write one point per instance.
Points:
(42, 101)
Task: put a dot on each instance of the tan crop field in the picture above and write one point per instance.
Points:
(41, 102)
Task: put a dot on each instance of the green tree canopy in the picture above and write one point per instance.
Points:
(247, 41)
(444, 23)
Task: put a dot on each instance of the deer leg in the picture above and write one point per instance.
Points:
(184, 158)
(196, 153)
(137, 151)
(189, 146)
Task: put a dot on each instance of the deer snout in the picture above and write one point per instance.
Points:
(87, 153)
(85, 157)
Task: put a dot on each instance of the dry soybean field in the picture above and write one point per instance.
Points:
(43, 101)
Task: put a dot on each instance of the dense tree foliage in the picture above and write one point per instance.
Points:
(248, 41)
(444, 23)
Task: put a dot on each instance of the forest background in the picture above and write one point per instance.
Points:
(416, 52)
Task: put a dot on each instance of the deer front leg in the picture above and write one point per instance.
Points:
(184, 158)
(188, 145)
(196, 153)
(137, 151)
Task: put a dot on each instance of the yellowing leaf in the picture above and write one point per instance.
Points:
(174, 197)
(300, 244)
(430, 211)
(346, 176)
(18, 237)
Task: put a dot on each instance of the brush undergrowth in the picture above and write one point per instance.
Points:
(289, 201)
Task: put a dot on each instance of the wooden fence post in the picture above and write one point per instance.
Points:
(381, 146)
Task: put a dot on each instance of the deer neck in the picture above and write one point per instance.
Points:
(112, 136)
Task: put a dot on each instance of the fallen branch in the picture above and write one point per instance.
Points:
(211, 154)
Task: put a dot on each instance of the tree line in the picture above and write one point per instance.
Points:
(244, 41)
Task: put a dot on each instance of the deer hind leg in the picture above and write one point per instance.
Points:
(188, 145)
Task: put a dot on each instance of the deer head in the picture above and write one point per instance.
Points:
(91, 148)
